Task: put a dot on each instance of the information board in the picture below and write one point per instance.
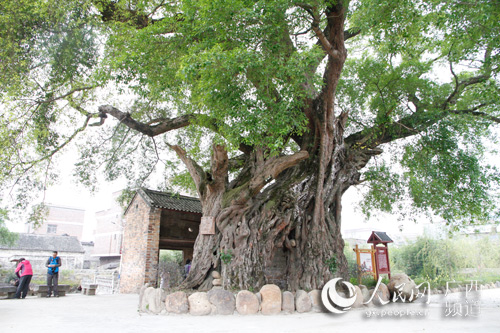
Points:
(382, 260)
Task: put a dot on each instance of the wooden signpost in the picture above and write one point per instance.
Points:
(374, 261)
(365, 259)
(381, 252)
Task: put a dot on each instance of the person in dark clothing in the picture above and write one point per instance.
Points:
(53, 264)
(187, 267)
(24, 272)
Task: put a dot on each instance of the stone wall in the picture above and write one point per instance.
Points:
(70, 260)
(140, 246)
(270, 300)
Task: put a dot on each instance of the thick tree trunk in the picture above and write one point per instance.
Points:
(273, 235)
(296, 217)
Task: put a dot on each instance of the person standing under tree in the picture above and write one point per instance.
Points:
(53, 264)
(187, 267)
(24, 266)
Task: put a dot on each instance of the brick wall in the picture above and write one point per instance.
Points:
(275, 269)
(140, 246)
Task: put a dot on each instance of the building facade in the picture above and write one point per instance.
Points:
(61, 220)
(155, 221)
(108, 234)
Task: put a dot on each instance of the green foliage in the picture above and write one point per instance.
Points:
(332, 264)
(226, 256)
(438, 261)
(38, 214)
(352, 264)
(427, 257)
(170, 268)
(6, 237)
(10, 276)
(248, 69)
(171, 256)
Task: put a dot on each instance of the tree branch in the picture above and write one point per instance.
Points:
(473, 112)
(71, 92)
(164, 126)
(272, 167)
(351, 33)
(420, 120)
(195, 170)
(161, 125)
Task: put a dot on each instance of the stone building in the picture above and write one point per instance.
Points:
(155, 221)
(61, 220)
(38, 248)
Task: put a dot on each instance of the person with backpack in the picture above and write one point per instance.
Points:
(53, 264)
(24, 272)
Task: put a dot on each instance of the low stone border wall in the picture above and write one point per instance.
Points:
(270, 300)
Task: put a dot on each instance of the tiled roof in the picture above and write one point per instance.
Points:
(379, 236)
(171, 201)
(31, 242)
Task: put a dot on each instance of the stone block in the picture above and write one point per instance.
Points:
(223, 301)
(288, 302)
(317, 304)
(247, 303)
(177, 303)
(199, 305)
(302, 301)
(271, 299)
(403, 287)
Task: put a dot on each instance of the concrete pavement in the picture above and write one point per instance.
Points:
(118, 313)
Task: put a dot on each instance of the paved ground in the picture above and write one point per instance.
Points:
(118, 313)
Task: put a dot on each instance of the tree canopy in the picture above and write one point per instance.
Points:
(420, 82)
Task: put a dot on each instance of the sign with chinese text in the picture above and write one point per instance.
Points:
(382, 260)
(365, 259)
(207, 225)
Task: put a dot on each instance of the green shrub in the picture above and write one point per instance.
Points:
(352, 265)
(441, 261)
(170, 268)
(171, 256)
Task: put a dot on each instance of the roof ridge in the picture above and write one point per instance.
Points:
(168, 200)
(171, 194)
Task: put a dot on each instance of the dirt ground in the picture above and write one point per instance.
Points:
(118, 313)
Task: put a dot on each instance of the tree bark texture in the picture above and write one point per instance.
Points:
(256, 222)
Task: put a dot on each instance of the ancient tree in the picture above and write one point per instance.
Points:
(275, 109)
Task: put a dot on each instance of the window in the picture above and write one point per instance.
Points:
(52, 228)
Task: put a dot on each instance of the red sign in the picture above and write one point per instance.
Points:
(382, 260)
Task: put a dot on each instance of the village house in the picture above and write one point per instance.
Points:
(61, 220)
(38, 248)
(155, 221)
(108, 234)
